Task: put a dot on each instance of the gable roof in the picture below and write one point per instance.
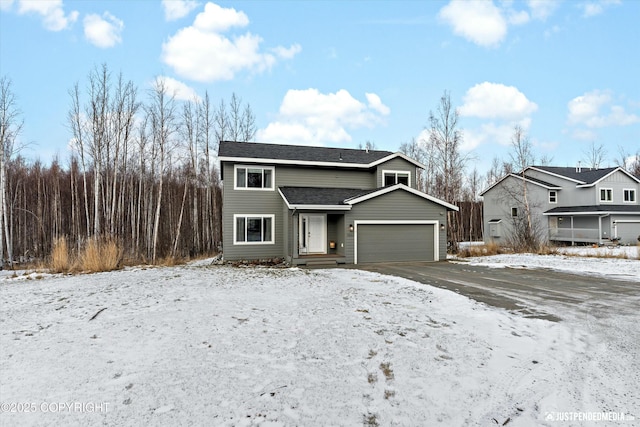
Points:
(305, 155)
(343, 198)
(584, 177)
(391, 188)
(532, 180)
(318, 198)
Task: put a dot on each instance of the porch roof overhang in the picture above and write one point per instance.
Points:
(318, 198)
(599, 210)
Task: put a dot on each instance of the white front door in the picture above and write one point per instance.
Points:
(313, 234)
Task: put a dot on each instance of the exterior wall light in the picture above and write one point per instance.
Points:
(351, 228)
(442, 226)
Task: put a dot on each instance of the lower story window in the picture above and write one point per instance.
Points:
(251, 229)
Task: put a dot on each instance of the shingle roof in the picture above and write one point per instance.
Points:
(253, 150)
(586, 175)
(541, 182)
(632, 209)
(320, 196)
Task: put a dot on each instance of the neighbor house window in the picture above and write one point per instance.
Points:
(514, 211)
(553, 196)
(606, 195)
(253, 229)
(395, 177)
(254, 178)
(629, 195)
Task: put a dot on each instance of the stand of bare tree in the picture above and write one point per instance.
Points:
(143, 173)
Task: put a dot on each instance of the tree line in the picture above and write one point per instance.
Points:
(142, 171)
(447, 175)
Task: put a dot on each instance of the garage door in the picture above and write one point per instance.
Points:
(628, 231)
(395, 242)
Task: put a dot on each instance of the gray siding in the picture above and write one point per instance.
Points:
(250, 202)
(396, 164)
(618, 182)
(500, 199)
(385, 207)
(324, 177)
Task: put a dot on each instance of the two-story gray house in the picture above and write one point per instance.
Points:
(572, 205)
(317, 204)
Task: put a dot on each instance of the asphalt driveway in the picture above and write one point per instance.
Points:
(537, 293)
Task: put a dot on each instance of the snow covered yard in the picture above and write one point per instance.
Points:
(205, 345)
(618, 262)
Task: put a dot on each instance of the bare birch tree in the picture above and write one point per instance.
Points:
(594, 155)
(444, 145)
(10, 128)
(162, 112)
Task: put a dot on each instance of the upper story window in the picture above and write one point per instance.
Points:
(514, 211)
(629, 195)
(396, 177)
(553, 196)
(254, 178)
(606, 195)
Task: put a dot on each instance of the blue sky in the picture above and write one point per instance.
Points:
(342, 73)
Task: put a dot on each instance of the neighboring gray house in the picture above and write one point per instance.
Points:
(572, 205)
(316, 204)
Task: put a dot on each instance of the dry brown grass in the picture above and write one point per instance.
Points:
(548, 250)
(97, 255)
(171, 261)
(486, 249)
(60, 261)
(100, 255)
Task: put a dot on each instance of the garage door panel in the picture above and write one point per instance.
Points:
(395, 242)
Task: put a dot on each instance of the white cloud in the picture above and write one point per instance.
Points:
(176, 9)
(502, 107)
(542, 9)
(588, 109)
(313, 118)
(103, 31)
(201, 52)
(593, 8)
(375, 103)
(480, 22)
(218, 19)
(6, 4)
(51, 12)
(287, 53)
(518, 18)
(496, 101)
(179, 89)
(549, 32)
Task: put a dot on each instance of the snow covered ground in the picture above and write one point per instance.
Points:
(212, 345)
(602, 261)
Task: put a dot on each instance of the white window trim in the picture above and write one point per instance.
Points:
(556, 194)
(600, 195)
(396, 172)
(262, 216)
(635, 195)
(235, 177)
